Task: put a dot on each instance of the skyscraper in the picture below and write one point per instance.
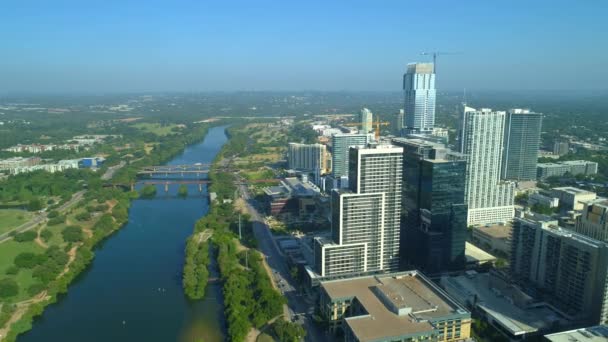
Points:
(593, 221)
(521, 141)
(340, 144)
(366, 120)
(419, 92)
(489, 199)
(366, 217)
(434, 215)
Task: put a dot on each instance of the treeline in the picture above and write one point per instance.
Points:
(249, 297)
(196, 273)
(107, 224)
(27, 186)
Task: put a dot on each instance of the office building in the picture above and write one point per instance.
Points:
(366, 120)
(494, 238)
(521, 143)
(419, 94)
(561, 148)
(542, 200)
(571, 198)
(307, 157)
(559, 169)
(593, 221)
(434, 210)
(403, 306)
(567, 268)
(366, 217)
(490, 200)
(340, 144)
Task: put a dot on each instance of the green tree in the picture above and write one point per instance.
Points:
(8, 288)
(26, 236)
(148, 191)
(72, 234)
(35, 204)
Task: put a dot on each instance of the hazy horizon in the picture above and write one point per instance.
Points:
(182, 46)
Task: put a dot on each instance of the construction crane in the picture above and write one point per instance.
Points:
(435, 54)
(375, 124)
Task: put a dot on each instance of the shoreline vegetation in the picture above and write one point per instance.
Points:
(250, 300)
(17, 318)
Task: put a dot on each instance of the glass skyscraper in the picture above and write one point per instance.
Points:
(521, 142)
(339, 154)
(434, 215)
(419, 92)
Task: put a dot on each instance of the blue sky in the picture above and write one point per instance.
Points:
(126, 45)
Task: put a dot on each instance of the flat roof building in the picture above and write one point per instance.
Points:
(571, 198)
(572, 167)
(598, 333)
(402, 306)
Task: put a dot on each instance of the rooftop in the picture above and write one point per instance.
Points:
(597, 333)
(500, 305)
(573, 190)
(475, 254)
(495, 231)
(397, 304)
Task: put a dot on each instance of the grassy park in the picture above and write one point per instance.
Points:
(13, 218)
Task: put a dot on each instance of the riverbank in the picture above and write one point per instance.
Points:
(83, 252)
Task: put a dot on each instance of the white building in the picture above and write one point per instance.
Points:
(309, 157)
(490, 200)
(419, 93)
(366, 120)
(365, 218)
(593, 221)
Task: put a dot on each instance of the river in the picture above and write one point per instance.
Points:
(132, 290)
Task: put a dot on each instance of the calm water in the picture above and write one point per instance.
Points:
(132, 291)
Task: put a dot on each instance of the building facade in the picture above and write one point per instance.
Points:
(366, 120)
(419, 95)
(567, 268)
(340, 144)
(489, 199)
(572, 167)
(404, 306)
(434, 209)
(366, 216)
(593, 221)
(521, 143)
(308, 157)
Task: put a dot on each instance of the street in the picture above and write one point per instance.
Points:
(299, 310)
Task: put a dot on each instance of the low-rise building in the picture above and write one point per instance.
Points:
(10, 163)
(476, 257)
(598, 333)
(404, 306)
(503, 305)
(571, 198)
(545, 201)
(494, 238)
(573, 167)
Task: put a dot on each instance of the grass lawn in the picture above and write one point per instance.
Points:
(260, 174)
(13, 218)
(265, 338)
(155, 128)
(10, 249)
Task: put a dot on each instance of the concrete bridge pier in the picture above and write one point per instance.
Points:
(132, 186)
(200, 187)
(166, 186)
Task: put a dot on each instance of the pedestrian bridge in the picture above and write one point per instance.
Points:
(184, 169)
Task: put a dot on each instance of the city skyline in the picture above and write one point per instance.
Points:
(127, 47)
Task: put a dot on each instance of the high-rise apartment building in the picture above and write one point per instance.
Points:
(309, 157)
(521, 142)
(568, 268)
(434, 209)
(593, 221)
(366, 120)
(340, 144)
(489, 199)
(419, 93)
(366, 217)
